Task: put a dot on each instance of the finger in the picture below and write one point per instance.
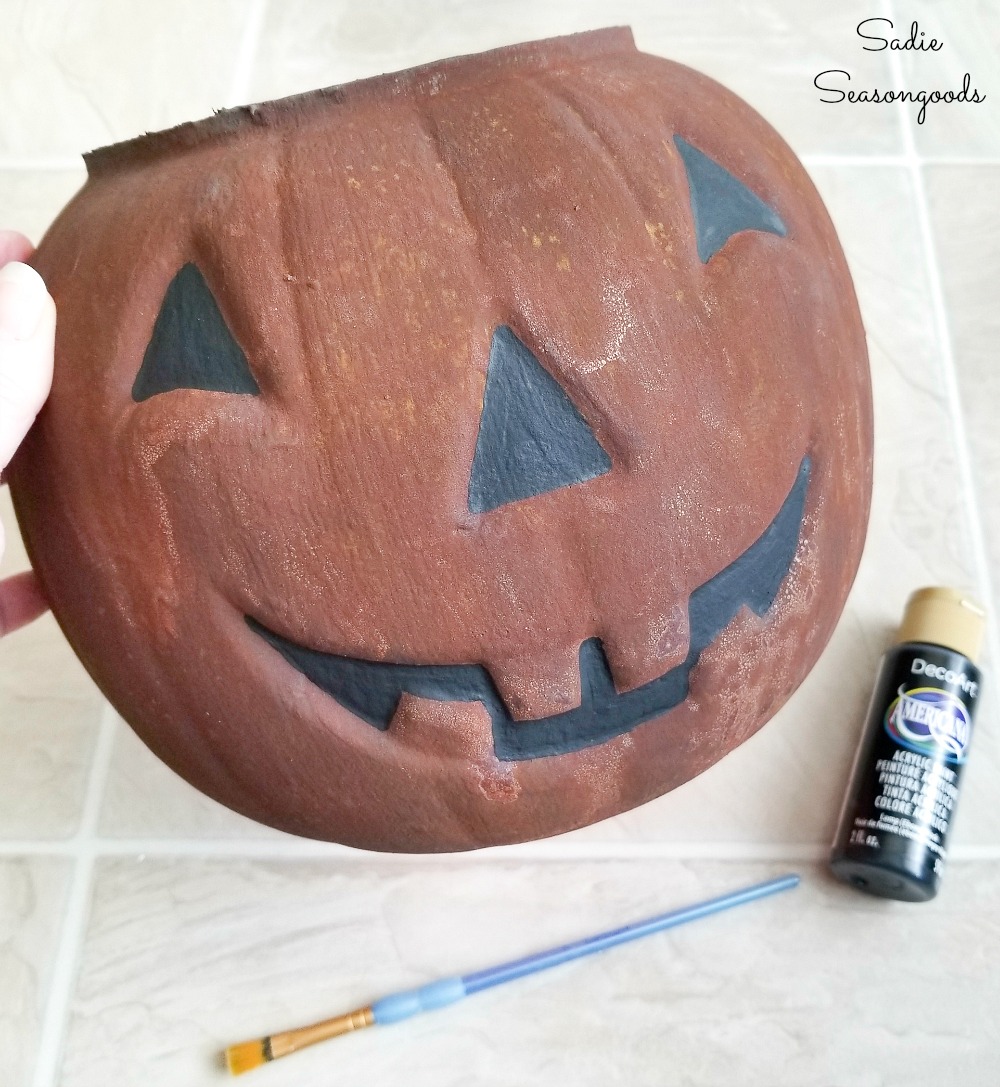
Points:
(21, 601)
(14, 246)
(27, 339)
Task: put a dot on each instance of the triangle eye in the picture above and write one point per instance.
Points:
(191, 346)
(721, 204)
(531, 438)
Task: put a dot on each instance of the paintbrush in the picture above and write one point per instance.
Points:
(390, 1009)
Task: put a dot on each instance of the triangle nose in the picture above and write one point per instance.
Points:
(532, 439)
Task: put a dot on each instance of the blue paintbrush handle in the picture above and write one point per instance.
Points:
(390, 1009)
(437, 994)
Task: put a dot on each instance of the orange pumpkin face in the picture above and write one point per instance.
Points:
(455, 457)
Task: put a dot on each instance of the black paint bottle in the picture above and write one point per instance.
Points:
(892, 833)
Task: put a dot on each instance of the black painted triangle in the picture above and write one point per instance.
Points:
(531, 439)
(721, 204)
(191, 346)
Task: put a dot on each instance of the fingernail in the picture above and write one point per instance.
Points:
(22, 301)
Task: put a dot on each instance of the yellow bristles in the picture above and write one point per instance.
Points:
(249, 1055)
(246, 1056)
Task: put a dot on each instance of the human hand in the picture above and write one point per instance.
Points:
(27, 342)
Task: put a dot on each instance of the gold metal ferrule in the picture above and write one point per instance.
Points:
(280, 1045)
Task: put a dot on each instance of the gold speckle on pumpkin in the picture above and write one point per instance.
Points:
(563, 263)
(536, 241)
(658, 234)
(353, 183)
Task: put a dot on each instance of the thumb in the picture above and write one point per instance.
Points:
(27, 340)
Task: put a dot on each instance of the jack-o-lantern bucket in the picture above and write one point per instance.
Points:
(455, 457)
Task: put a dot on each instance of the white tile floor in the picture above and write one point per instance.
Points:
(142, 926)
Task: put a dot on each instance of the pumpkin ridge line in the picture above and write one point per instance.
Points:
(576, 109)
(429, 127)
(284, 187)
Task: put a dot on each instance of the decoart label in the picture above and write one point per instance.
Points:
(930, 721)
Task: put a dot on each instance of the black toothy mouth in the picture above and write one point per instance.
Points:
(371, 690)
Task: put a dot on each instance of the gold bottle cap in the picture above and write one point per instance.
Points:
(944, 617)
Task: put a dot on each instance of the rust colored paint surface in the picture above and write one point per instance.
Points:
(362, 246)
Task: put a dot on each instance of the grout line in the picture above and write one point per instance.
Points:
(942, 328)
(296, 849)
(83, 847)
(65, 163)
(239, 87)
(307, 849)
(820, 159)
(301, 849)
(957, 160)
